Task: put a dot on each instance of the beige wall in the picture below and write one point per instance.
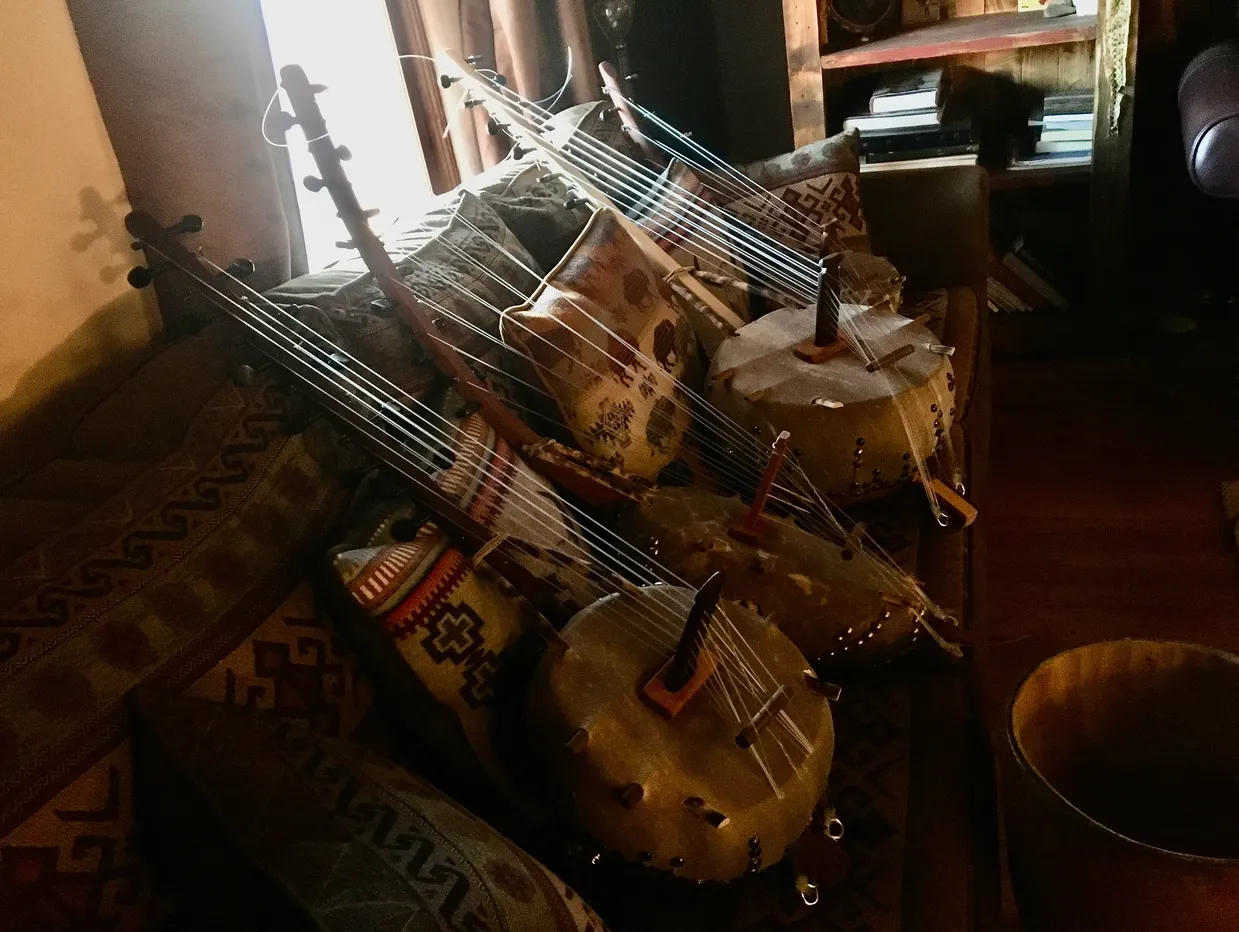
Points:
(65, 308)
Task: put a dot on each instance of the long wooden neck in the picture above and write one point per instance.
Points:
(301, 94)
(587, 478)
(329, 380)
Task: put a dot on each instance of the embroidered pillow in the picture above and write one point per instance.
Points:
(534, 206)
(597, 120)
(261, 824)
(606, 337)
(672, 215)
(817, 183)
(460, 259)
(449, 644)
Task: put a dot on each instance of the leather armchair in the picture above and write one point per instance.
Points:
(1209, 114)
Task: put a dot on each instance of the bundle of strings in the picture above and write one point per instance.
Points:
(714, 236)
(410, 435)
(720, 441)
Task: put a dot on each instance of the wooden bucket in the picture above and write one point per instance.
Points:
(1122, 808)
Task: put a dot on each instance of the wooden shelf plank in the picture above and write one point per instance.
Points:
(992, 32)
(1007, 180)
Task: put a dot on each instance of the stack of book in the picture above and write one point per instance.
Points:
(1061, 132)
(908, 126)
(1022, 280)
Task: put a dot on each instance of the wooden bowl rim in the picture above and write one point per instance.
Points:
(1044, 785)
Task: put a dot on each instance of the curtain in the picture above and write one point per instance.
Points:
(422, 79)
(525, 41)
(182, 87)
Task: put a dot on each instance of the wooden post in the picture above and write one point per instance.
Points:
(825, 343)
(801, 31)
(826, 330)
(750, 528)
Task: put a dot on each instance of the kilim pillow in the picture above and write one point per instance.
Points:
(673, 216)
(816, 184)
(540, 218)
(460, 259)
(268, 826)
(594, 120)
(448, 643)
(191, 576)
(607, 339)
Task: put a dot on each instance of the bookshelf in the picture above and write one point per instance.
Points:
(991, 36)
(998, 32)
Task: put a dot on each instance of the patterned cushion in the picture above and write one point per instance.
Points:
(595, 120)
(460, 259)
(533, 205)
(610, 344)
(670, 220)
(265, 825)
(447, 642)
(190, 577)
(820, 182)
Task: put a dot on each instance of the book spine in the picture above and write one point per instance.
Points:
(876, 124)
(915, 154)
(903, 142)
(898, 103)
(1034, 280)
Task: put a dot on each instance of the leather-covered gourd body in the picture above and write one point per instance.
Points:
(854, 429)
(842, 610)
(706, 808)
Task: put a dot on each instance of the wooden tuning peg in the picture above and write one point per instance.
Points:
(344, 153)
(313, 184)
(447, 80)
(240, 268)
(500, 80)
(190, 223)
(770, 708)
(282, 121)
(141, 277)
(495, 128)
(474, 60)
(891, 358)
(519, 151)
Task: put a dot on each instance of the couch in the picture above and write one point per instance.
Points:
(169, 543)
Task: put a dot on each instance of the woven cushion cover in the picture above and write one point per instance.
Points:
(670, 216)
(609, 343)
(448, 642)
(595, 119)
(191, 577)
(533, 204)
(816, 183)
(459, 258)
(269, 826)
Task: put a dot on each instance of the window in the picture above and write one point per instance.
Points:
(347, 45)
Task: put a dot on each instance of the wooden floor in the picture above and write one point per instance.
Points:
(1104, 515)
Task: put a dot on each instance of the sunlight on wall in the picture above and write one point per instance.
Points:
(348, 46)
